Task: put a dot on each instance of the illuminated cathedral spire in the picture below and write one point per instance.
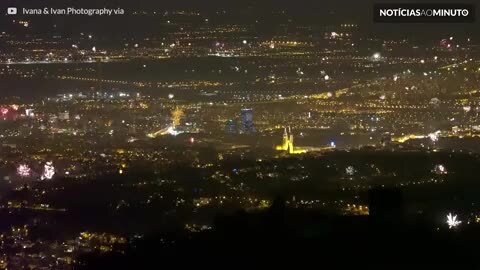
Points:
(287, 143)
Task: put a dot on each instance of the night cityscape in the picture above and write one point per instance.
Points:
(212, 133)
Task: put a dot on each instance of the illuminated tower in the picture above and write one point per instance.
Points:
(285, 140)
(287, 143)
(247, 121)
(231, 126)
(291, 150)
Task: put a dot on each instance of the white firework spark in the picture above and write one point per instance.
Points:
(350, 170)
(452, 221)
(23, 170)
(434, 136)
(48, 171)
(440, 169)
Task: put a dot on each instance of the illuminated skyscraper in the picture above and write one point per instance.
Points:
(247, 121)
(231, 126)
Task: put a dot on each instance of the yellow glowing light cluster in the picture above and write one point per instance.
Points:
(287, 144)
(407, 137)
(177, 115)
